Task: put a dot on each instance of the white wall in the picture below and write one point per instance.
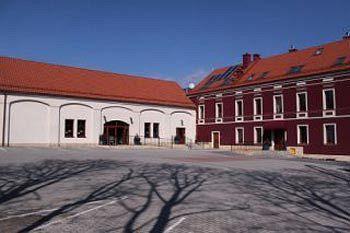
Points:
(29, 122)
(1, 116)
(40, 120)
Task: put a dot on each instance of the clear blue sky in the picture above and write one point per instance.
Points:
(178, 40)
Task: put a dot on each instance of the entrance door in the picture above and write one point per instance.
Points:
(115, 133)
(216, 139)
(181, 135)
(279, 139)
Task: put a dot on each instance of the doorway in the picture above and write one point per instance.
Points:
(181, 135)
(115, 133)
(276, 138)
(216, 139)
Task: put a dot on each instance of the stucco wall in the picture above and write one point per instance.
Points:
(32, 119)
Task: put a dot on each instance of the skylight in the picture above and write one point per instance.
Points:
(318, 51)
(264, 74)
(340, 61)
(250, 78)
(295, 69)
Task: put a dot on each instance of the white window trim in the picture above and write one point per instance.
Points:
(307, 134)
(302, 114)
(325, 111)
(239, 118)
(236, 135)
(279, 115)
(258, 117)
(212, 138)
(256, 136)
(201, 119)
(325, 134)
(219, 119)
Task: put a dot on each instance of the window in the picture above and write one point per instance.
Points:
(147, 130)
(239, 135)
(251, 77)
(278, 106)
(330, 134)
(81, 129)
(303, 134)
(239, 110)
(295, 69)
(201, 113)
(218, 110)
(318, 51)
(339, 61)
(258, 106)
(258, 135)
(155, 130)
(329, 100)
(301, 104)
(264, 74)
(68, 128)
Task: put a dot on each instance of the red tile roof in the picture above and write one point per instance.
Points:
(17, 75)
(277, 68)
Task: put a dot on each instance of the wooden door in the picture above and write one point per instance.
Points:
(216, 139)
(181, 135)
(279, 140)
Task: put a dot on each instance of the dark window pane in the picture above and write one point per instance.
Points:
(329, 99)
(302, 102)
(239, 108)
(68, 128)
(258, 106)
(330, 134)
(258, 135)
(303, 134)
(278, 102)
(155, 130)
(201, 112)
(219, 110)
(147, 130)
(240, 136)
(81, 129)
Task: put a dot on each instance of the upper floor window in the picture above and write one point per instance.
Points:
(81, 129)
(201, 112)
(69, 128)
(329, 102)
(278, 106)
(218, 110)
(302, 104)
(258, 108)
(329, 134)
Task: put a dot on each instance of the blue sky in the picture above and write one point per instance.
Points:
(177, 40)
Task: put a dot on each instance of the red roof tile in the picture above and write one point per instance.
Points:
(277, 68)
(41, 78)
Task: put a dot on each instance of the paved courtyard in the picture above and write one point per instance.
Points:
(110, 190)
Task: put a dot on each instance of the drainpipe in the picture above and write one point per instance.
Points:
(4, 121)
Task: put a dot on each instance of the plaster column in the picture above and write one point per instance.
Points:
(54, 125)
(2, 105)
(97, 126)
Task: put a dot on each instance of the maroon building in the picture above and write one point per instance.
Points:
(300, 100)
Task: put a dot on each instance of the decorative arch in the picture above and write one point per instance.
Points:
(182, 112)
(79, 104)
(117, 106)
(28, 100)
(151, 109)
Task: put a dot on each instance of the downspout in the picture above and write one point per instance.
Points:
(4, 121)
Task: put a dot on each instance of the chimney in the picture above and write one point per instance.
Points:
(346, 36)
(256, 57)
(247, 59)
(292, 49)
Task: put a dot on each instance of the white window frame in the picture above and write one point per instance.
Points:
(330, 112)
(219, 119)
(256, 116)
(307, 135)
(302, 114)
(278, 115)
(239, 118)
(256, 136)
(201, 119)
(325, 134)
(236, 135)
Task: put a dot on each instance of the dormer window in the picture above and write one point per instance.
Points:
(263, 75)
(250, 78)
(340, 61)
(295, 69)
(318, 51)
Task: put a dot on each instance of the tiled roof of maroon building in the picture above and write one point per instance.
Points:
(315, 60)
(17, 75)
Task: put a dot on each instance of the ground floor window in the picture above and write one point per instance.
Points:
(147, 130)
(330, 134)
(303, 134)
(258, 135)
(81, 129)
(239, 135)
(155, 130)
(68, 128)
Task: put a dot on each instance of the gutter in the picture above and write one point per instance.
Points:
(4, 121)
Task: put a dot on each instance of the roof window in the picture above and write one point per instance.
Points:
(264, 74)
(340, 61)
(318, 51)
(295, 69)
(250, 78)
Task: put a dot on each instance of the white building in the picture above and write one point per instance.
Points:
(50, 105)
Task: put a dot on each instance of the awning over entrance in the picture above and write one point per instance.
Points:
(274, 125)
